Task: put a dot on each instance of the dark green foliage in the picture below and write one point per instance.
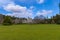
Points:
(7, 20)
(57, 19)
(58, 22)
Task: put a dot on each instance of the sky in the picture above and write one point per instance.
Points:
(29, 8)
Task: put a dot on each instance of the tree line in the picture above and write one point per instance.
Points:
(8, 20)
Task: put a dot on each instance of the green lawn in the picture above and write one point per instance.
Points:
(30, 32)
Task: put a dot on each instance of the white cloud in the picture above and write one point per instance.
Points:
(32, 7)
(40, 1)
(5, 2)
(44, 12)
(14, 8)
(18, 11)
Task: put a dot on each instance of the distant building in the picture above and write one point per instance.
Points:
(24, 21)
(17, 21)
(29, 20)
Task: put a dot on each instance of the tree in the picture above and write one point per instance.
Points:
(7, 20)
(57, 19)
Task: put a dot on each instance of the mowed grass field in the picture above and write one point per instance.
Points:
(30, 32)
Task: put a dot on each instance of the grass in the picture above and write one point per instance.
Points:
(30, 32)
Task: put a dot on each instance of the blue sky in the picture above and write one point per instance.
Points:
(29, 8)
